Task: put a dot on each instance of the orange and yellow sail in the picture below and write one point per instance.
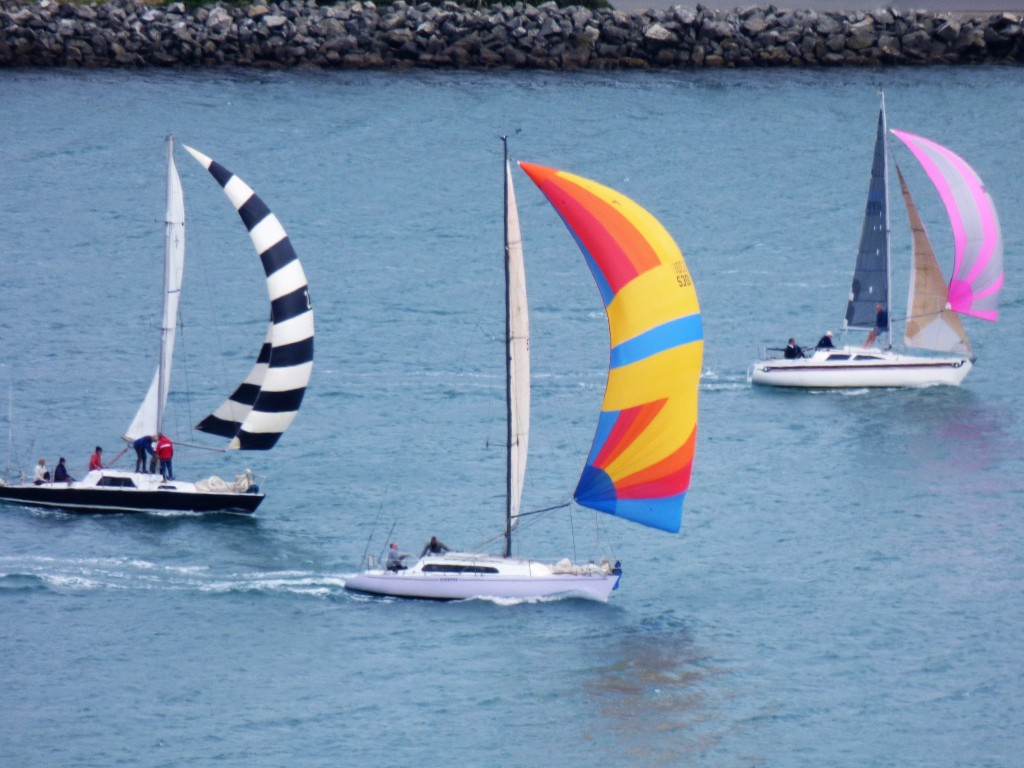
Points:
(639, 465)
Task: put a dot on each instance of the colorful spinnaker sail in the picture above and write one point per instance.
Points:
(977, 240)
(639, 465)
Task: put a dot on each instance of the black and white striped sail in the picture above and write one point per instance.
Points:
(149, 418)
(266, 402)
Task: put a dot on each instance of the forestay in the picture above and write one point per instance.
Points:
(640, 462)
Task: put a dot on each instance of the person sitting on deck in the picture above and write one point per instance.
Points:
(825, 342)
(42, 473)
(394, 561)
(60, 474)
(435, 547)
(793, 351)
(96, 460)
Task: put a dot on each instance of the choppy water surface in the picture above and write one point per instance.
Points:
(846, 587)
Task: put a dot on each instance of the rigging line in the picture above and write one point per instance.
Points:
(563, 505)
(118, 457)
(185, 368)
(374, 526)
(380, 558)
(200, 447)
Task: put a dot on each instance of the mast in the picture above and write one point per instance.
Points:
(517, 359)
(508, 360)
(888, 230)
(165, 332)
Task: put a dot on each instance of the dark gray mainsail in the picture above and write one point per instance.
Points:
(871, 276)
(261, 409)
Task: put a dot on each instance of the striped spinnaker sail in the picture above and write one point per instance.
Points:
(977, 239)
(263, 407)
(639, 465)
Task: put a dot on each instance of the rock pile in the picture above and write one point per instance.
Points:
(124, 33)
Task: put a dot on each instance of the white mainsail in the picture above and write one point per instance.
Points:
(149, 418)
(518, 353)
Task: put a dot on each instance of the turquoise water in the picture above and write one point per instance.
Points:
(846, 586)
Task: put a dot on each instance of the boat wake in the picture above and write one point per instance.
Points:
(75, 575)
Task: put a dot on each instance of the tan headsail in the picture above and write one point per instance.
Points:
(930, 324)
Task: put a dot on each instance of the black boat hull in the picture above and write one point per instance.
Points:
(122, 500)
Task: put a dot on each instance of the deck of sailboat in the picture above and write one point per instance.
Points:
(855, 367)
(463, 575)
(117, 491)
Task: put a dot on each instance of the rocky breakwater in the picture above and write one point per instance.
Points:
(123, 33)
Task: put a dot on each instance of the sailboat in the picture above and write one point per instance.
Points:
(640, 461)
(934, 308)
(253, 417)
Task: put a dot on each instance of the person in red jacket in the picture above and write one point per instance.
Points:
(96, 460)
(165, 452)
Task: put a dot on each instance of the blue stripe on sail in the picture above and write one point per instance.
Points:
(220, 173)
(253, 211)
(605, 423)
(664, 514)
(596, 491)
(292, 354)
(214, 425)
(246, 394)
(280, 402)
(607, 294)
(257, 441)
(674, 333)
(290, 305)
(264, 356)
(276, 256)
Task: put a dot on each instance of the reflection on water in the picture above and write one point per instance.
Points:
(652, 694)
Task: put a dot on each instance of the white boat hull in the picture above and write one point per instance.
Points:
(856, 367)
(460, 576)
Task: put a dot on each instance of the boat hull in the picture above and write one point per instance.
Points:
(856, 368)
(461, 577)
(149, 494)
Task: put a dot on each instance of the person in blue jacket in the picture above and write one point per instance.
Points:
(143, 446)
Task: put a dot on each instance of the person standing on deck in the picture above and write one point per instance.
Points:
(143, 446)
(881, 325)
(165, 452)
